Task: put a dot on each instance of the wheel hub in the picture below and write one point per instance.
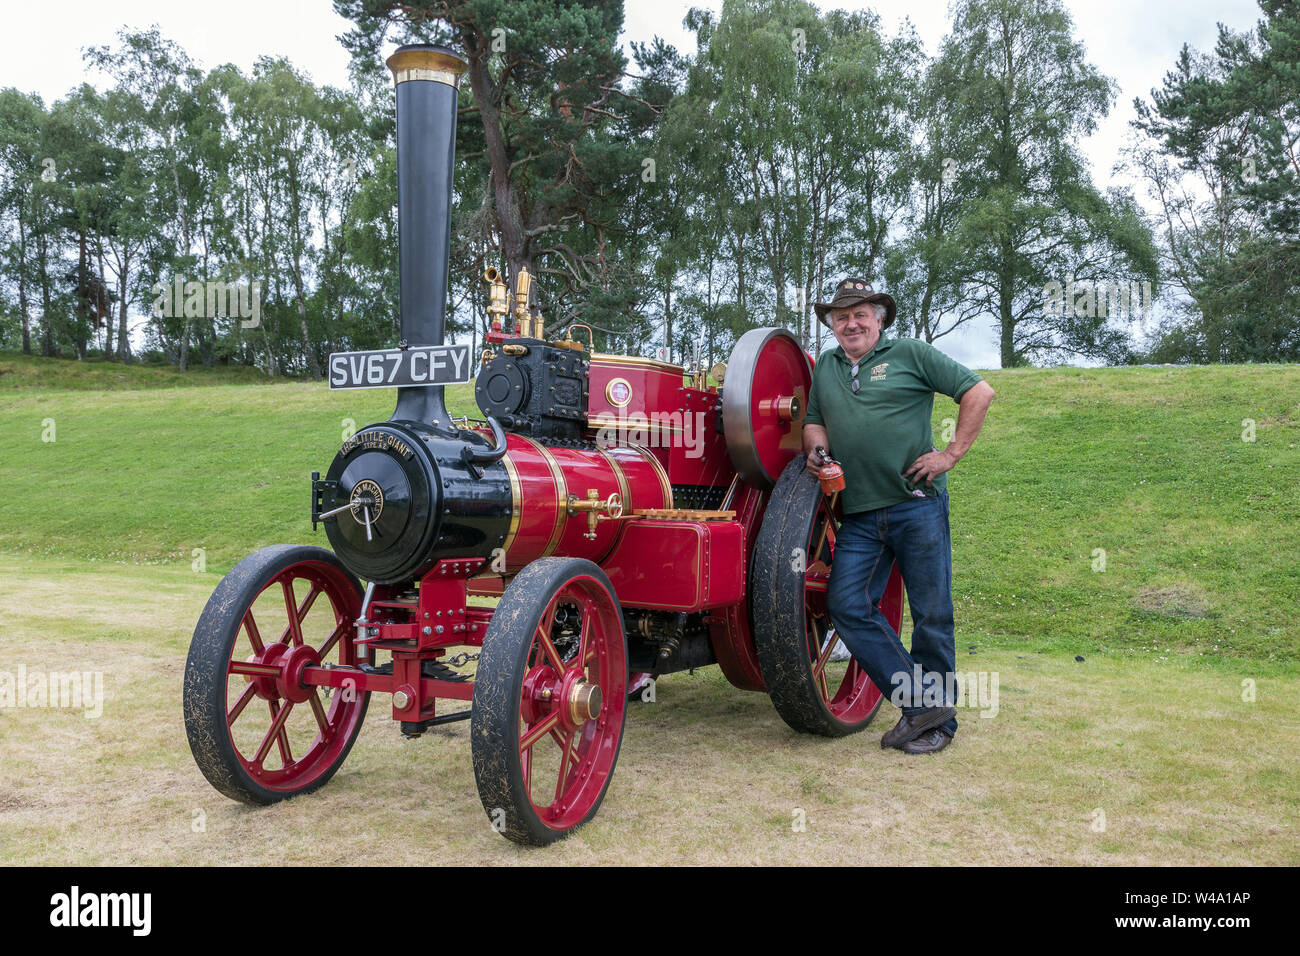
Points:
(290, 683)
(266, 684)
(583, 701)
(576, 699)
(285, 681)
(538, 699)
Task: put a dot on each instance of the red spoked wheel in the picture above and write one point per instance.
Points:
(258, 733)
(550, 700)
(793, 636)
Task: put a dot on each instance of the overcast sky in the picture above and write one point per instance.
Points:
(1133, 43)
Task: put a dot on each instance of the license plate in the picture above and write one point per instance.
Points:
(401, 368)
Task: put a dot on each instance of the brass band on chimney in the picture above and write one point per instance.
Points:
(409, 64)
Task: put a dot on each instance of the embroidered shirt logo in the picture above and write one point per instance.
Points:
(878, 372)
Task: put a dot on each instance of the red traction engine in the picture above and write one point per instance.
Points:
(606, 518)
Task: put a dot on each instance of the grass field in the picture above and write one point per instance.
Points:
(1119, 515)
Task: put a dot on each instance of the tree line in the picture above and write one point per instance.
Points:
(666, 200)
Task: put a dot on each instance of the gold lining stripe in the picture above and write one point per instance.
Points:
(658, 467)
(663, 607)
(516, 503)
(562, 496)
(730, 493)
(603, 358)
(619, 477)
(623, 424)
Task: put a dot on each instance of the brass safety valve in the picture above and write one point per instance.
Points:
(497, 306)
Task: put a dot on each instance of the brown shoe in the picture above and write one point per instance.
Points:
(930, 743)
(909, 728)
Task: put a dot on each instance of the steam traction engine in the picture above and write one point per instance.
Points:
(628, 521)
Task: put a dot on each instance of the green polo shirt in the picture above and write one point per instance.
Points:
(878, 433)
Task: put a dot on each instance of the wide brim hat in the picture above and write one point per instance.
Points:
(851, 292)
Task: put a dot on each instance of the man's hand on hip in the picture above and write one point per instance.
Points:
(929, 467)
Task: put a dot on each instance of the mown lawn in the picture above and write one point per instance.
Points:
(1144, 760)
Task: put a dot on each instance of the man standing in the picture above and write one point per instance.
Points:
(870, 406)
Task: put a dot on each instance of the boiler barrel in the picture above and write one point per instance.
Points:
(542, 477)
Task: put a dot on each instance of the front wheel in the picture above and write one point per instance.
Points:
(550, 700)
(256, 731)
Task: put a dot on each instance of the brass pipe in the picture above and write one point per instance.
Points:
(523, 285)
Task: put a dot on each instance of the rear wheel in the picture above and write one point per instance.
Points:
(256, 731)
(792, 630)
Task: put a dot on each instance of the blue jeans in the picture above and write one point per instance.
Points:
(915, 534)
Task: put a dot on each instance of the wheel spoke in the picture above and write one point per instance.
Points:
(309, 600)
(824, 653)
(825, 642)
(317, 708)
(585, 649)
(291, 608)
(544, 627)
(276, 733)
(240, 704)
(294, 628)
(549, 651)
(250, 628)
(565, 748)
(282, 740)
(829, 508)
(539, 730)
(852, 673)
(328, 646)
(252, 669)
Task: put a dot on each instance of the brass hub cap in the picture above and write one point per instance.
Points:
(584, 701)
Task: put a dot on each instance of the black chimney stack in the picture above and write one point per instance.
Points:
(428, 80)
